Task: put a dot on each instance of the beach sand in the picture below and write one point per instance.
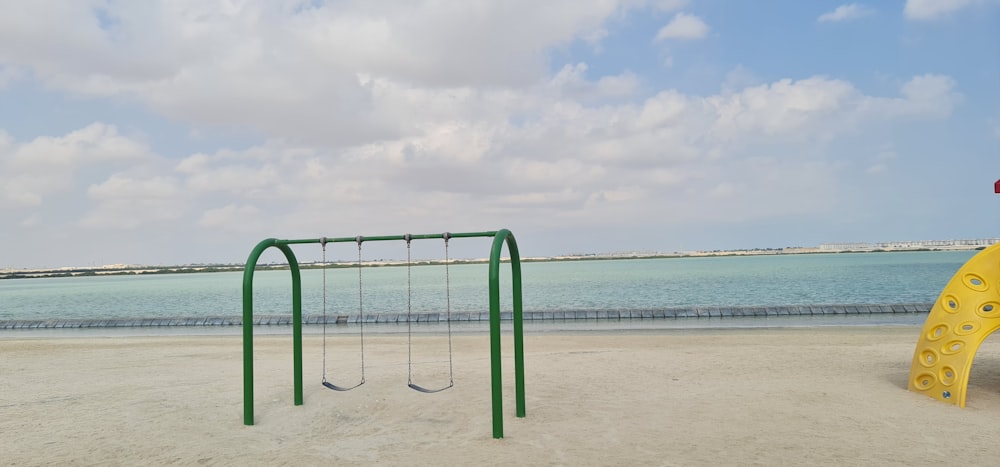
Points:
(790, 396)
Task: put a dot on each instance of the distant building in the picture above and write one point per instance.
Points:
(849, 246)
(967, 244)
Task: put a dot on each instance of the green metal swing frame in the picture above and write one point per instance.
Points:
(499, 238)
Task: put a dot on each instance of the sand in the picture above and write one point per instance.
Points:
(794, 396)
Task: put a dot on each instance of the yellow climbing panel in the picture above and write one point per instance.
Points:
(967, 311)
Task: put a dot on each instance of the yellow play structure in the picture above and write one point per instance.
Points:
(967, 311)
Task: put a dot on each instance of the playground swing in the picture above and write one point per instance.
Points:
(409, 320)
(500, 238)
(361, 319)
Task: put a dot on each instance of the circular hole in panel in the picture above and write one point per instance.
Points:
(928, 358)
(966, 328)
(950, 303)
(947, 376)
(975, 282)
(937, 332)
(952, 347)
(924, 381)
(946, 394)
(989, 310)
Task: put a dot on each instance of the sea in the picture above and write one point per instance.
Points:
(877, 278)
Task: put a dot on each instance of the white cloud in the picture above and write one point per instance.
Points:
(930, 94)
(757, 150)
(47, 165)
(664, 109)
(935, 9)
(567, 163)
(305, 75)
(571, 81)
(232, 218)
(623, 85)
(560, 162)
(846, 12)
(123, 202)
(123, 187)
(683, 26)
(784, 107)
(292, 70)
(95, 143)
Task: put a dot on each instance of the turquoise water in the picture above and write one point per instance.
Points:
(882, 278)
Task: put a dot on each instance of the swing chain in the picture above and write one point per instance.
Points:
(447, 288)
(361, 311)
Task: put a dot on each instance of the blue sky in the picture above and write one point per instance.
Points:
(186, 131)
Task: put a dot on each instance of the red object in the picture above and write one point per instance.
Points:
(996, 186)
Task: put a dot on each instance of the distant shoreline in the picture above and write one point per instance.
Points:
(125, 270)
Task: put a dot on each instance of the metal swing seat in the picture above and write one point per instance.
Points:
(409, 320)
(361, 319)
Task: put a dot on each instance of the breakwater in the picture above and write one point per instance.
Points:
(564, 315)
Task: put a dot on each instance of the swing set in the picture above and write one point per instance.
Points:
(499, 238)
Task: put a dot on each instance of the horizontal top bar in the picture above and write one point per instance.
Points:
(380, 238)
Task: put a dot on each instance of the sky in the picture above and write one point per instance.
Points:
(180, 132)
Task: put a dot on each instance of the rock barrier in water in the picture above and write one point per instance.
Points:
(387, 318)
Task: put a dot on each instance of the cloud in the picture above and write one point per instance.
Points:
(930, 94)
(571, 81)
(288, 68)
(8, 75)
(124, 202)
(562, 162)
(313, 72)
(93, 177)
(232, 218)
(48, 165)
(683, 26)
(846, 12)
(566, 163)
(929, 10)
(784, 107)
